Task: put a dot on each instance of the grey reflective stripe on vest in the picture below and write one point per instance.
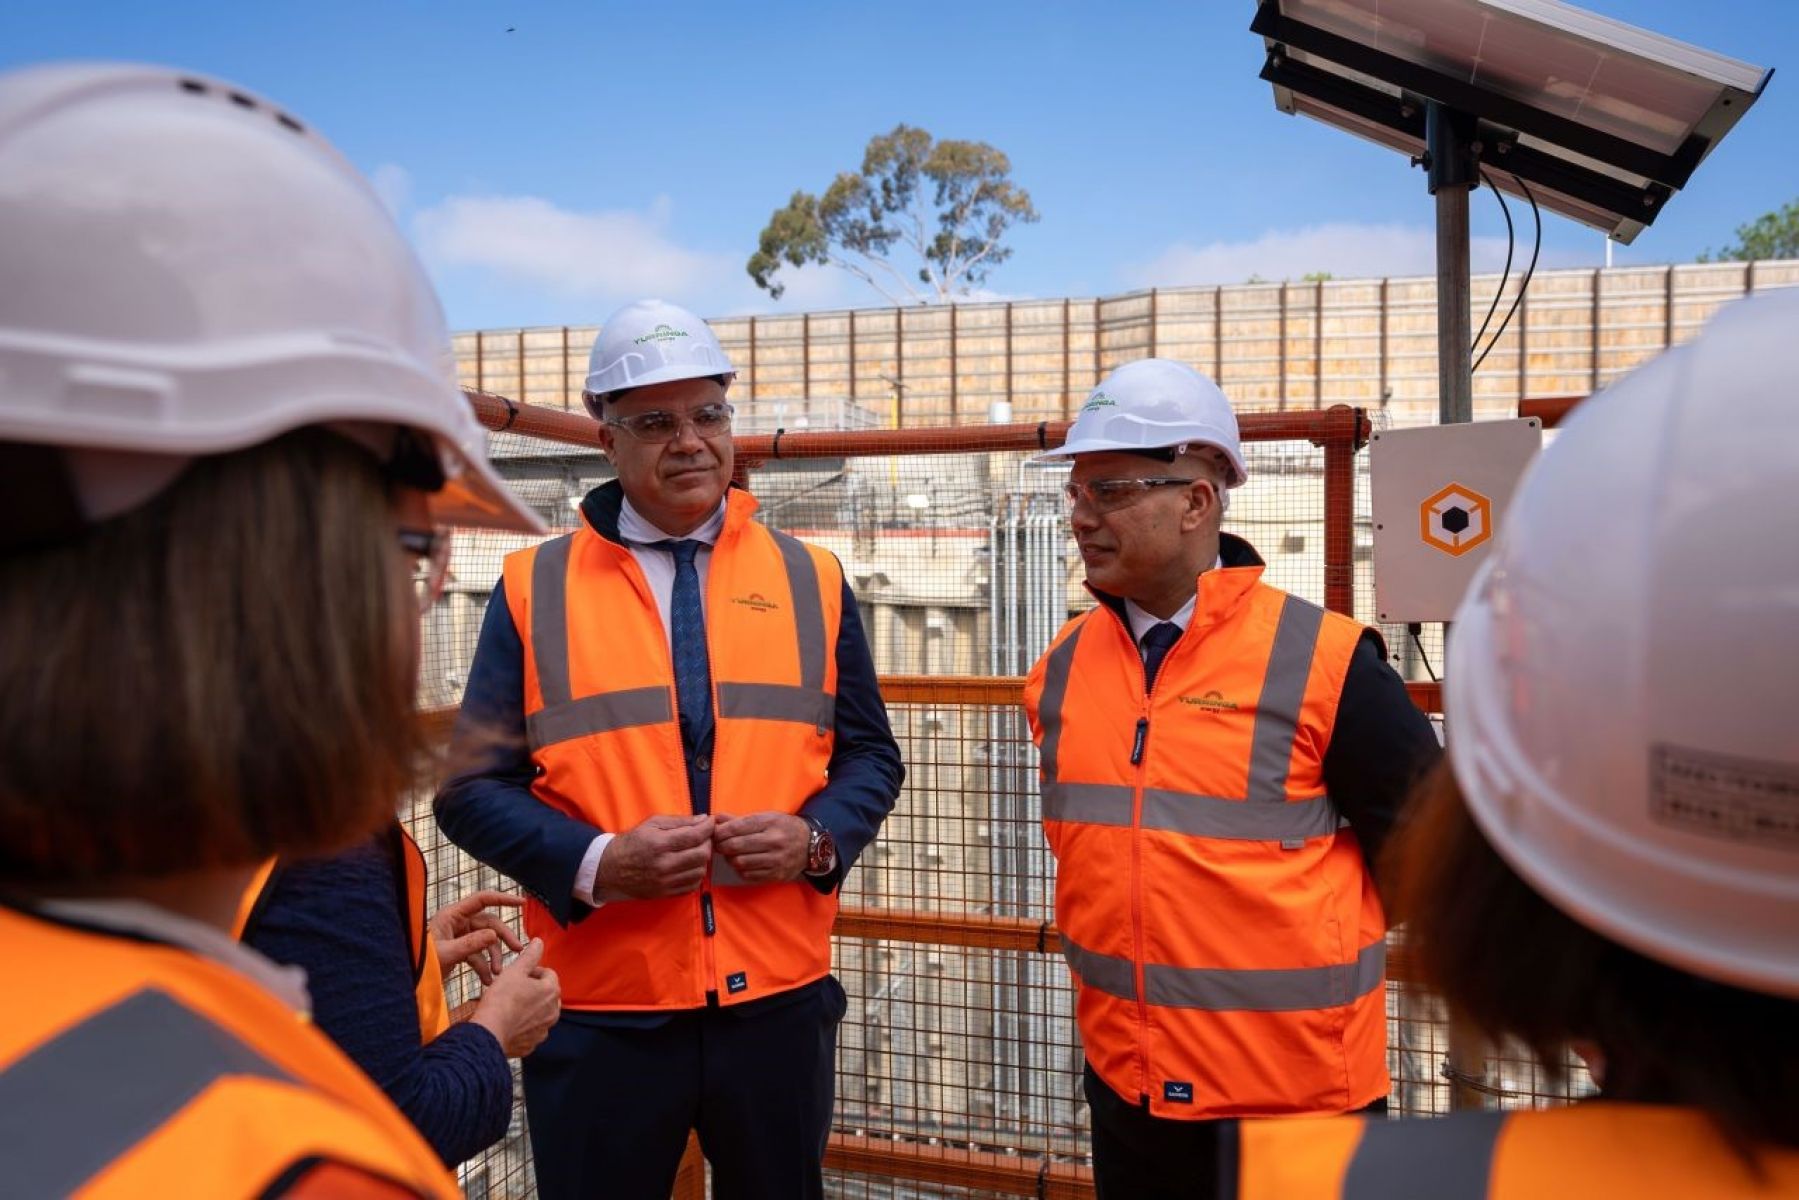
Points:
(1084, 803)
(1291, 989)
(1219, 989)
(808, 608)
(1448, 1158)
(1283, 692)
(1185, 813)
(549, 619)
(1104, 972)
(79, 1102)
(1055, 692)
(602, 712)
(777, 702)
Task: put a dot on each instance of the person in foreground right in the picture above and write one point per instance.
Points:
(1611, 855)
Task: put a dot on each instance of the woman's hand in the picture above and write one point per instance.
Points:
(522, 1004)
(465, 932)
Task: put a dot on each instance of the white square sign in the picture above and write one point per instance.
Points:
(1439, 495)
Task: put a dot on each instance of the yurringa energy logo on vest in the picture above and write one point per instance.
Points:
(757, 601)
(1212, 701)
(662, 333)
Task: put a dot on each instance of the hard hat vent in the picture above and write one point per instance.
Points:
(198, 87)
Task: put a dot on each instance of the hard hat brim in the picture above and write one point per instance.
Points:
(1072, 449)
(476, 497)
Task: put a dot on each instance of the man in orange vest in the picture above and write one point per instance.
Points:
(698, 753)
(1220, 762)
(1610, 853)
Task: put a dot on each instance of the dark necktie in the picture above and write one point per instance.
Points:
(1157, 641)
(687, 638)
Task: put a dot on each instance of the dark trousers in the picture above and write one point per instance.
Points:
(1137, 1156)
(610, 1103)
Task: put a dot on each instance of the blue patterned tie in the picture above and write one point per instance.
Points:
(1156, 643)
(687, 635)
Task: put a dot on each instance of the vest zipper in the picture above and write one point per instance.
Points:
(708, 917)
(1139, 748)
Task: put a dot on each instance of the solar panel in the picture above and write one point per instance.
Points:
(1603, 121)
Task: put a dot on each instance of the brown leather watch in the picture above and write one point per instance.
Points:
(821, 849)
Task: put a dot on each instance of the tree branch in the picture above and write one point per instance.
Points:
(965, 268)
(861, 273)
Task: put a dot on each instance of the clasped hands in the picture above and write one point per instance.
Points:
(668, 855)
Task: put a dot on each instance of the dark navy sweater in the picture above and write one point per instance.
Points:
(338, 919)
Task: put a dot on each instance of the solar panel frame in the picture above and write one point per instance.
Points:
(1596, 176)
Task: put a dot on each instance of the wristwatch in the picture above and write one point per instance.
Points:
(821, 849)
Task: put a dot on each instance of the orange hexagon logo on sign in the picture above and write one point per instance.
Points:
(1455, 520)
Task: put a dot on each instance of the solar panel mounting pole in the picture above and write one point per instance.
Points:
(1451, 164)
(1451, 167)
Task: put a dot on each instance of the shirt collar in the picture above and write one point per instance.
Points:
(141, 918)
(634, 527)
(1142, 622)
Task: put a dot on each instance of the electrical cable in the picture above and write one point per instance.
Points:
(1415, 628)
(1511, 241)
(1529, 272)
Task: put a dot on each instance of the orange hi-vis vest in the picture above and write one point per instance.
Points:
(1585, 1152)
(1225, 937)
(409, 872)
(600, 715)
(134, 1068)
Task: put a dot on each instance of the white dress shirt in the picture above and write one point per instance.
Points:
(658, 566)
(1142, 622)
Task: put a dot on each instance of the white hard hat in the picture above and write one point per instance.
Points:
(1624, 672)
(1155, 404)
(651, 341)
(190, 270)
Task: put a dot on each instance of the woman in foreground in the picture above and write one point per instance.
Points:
(228, 433)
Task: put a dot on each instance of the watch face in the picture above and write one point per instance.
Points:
(821, 851)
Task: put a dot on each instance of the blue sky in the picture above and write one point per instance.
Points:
(604, 151)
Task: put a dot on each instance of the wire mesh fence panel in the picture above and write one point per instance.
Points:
(849, 1185)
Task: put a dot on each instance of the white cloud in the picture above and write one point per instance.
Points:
(587, 260)
(1344, 249)
(606, 254)
(393, 183)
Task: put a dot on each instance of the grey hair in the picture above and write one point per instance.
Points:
(1218, 471)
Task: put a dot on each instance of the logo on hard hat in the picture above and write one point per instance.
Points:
(662, 333)
(1455, 520)
(1099, 400)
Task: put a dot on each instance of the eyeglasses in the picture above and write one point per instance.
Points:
(431, 549)
(1110, 495)
(708, 420)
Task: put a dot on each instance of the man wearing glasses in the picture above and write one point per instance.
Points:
(692, 751)
(1220, 762)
